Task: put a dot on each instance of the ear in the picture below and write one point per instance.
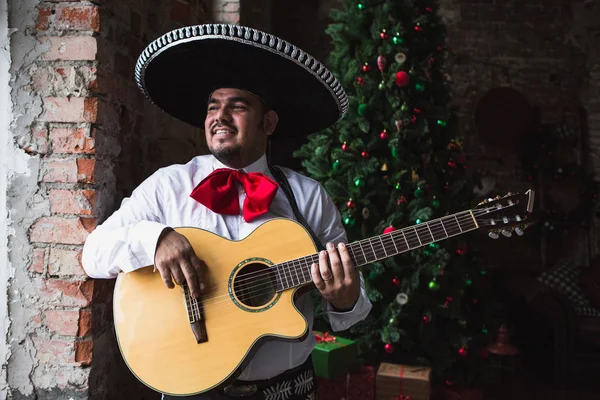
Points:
(270, 121)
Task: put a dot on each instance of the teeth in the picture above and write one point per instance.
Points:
(222, 132)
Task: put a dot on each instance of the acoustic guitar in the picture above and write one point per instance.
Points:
(178, 345)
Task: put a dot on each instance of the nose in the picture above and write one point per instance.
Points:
(223, 115)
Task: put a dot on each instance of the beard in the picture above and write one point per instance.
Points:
(227, 154)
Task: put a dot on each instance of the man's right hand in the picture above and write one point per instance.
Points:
(176, 260)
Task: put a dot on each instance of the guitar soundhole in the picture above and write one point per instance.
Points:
(254, 285)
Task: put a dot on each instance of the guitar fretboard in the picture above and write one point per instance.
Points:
(296, 272)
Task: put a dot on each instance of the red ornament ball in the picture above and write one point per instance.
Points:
(350, 204)
(345, 146)
(389, 348)
(365, 154)
(366, 68)
(360, 80)
(402, 78)
(396, 281)
(381, 62)
(384, 35)
(463, 352)
(384, 135)
(389, 229)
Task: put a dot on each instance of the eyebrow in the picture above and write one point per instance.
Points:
(236, 99)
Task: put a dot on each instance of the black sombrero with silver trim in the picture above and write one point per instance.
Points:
(180, 70)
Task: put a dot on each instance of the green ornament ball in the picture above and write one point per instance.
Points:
(420, 87)
(359, 182)
(381, 85)
(404, 107)
(397, 40)
(468, 282)
(435, 203)
(434, 286)
(395, 152)
(419, 192)
(336, 165)
(349, 221)
(393, 321)
(360, 6)
(362, 109)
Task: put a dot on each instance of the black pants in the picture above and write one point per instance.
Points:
(296, 384)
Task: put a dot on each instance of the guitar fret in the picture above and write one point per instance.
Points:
(363, 252)
(285, 274)
(353, 255)
(305, 268)
(438, 232)
(394, 242)
(373, 248)
(383, 245)
(425, 234)
(280, 281)
(405, 240)
(431, 233)
(445, 231)
(296, 273)
(458, 223)
(417, 233)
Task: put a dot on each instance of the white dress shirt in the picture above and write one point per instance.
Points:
(127, 241)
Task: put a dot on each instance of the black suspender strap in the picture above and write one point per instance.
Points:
(285, 186)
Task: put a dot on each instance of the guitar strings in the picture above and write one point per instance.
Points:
(268, 284)
(260, 289)
(369, 241)
(286, 268)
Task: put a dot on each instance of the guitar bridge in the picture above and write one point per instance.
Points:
(194, 310)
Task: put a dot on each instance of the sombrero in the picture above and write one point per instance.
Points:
(178, 72)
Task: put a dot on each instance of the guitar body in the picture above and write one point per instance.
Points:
(152, 324)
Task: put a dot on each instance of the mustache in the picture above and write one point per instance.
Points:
(223, 125)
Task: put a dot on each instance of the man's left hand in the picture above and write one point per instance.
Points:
(336, 277)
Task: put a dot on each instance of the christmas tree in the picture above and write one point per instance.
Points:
(396, 161)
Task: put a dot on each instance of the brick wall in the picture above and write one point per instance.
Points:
(91, 138)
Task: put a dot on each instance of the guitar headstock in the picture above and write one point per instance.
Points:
(505, 215)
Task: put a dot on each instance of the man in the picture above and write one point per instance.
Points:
(242, 86)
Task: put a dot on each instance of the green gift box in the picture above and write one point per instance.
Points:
(333, 355)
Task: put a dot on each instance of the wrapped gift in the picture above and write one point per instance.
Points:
(402, 382)
(357, 385)
(334, 356)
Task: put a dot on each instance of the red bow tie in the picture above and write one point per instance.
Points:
(219, 193)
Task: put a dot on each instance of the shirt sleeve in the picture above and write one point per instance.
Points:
(127, 240)
(332, 230)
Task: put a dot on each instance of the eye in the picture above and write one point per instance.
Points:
(239, 107)
(212, 108)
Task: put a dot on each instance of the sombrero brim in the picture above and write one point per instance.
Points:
(180, 70)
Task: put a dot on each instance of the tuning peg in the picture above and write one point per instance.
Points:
(506, 233)
(505, 220)
(519, 231)
(493, 234)
(518, 217)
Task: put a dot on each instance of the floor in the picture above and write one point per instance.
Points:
(533, 389)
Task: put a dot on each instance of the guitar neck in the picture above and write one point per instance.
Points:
(296, 272)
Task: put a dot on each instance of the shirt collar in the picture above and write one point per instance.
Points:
(259, 165)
